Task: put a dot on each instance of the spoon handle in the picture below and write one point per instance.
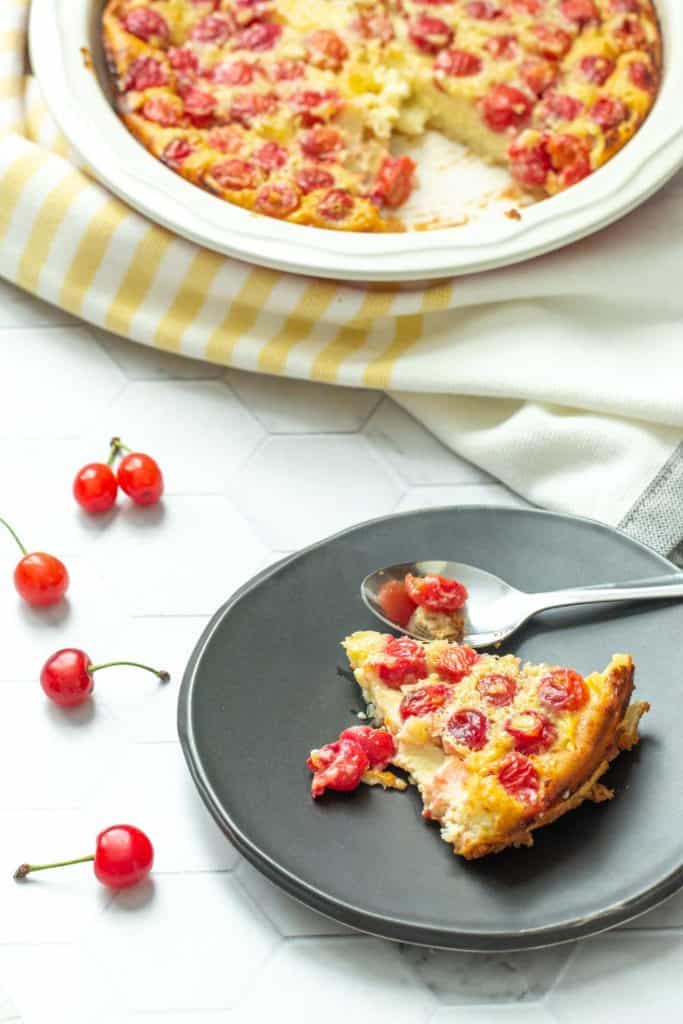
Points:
(636, 590)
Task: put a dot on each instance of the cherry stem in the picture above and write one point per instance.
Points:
(117, 446)
(159, 673)
(26, 869)
(21, 546)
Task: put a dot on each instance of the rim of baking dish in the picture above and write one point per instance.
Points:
(75, 93)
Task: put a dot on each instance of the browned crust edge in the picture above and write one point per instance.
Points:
(619, 731)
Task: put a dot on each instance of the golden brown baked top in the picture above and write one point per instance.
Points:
(287, 107)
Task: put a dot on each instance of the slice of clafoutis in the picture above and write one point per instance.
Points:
(497, 748)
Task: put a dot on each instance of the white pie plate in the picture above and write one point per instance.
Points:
(79, 102)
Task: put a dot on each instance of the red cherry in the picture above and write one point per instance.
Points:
(596, 68)
(41, 579)
(484, 10)
(277, 200)
(394, 180)
(403, 662)
(455, 662)
(519, 777)
(430, 34)
(310, 178)
(437, 593)
(468, 727)
(394, 601)
(459, 63)
(563, 690)
(424, 700)
(497, 690)
(123, 857)
(642, 75)
(339, 765)
(505, 107)
(337, 204)
(67, 676)
(95, 488)
(378, 744)
(532, 733)
(140, 478)
(529, 164)
(146, 24)
(66, 679)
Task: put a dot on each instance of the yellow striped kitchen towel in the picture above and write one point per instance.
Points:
(560, 376)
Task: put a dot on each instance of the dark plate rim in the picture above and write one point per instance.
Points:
(398, 929)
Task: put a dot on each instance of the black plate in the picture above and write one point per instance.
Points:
(263, 687)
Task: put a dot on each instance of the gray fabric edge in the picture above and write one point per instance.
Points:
(656, 518)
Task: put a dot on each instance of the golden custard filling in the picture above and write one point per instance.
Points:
(288, 108)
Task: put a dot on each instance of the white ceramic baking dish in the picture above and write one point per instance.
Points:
(80, 103)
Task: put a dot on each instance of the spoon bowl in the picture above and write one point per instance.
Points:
(495, 609)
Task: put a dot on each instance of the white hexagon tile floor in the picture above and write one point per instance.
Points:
(255, 467)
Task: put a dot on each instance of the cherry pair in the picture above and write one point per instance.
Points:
(138, 475)
(40, 578)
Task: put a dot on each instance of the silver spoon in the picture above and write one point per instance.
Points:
(495, 610)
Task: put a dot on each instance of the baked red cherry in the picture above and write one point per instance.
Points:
(67, 676)
(39, 578)
(596, 68)
(469, 728)
(394, 181)
(378, 744)
(139, 475)
(339, 765)
(504, 107)
(436, 593)
(570, 158)
(497, 690)
(609, 112)
(403, 662)
(430, 34)
(455, 662)
(563, 690)
(484, 10)
(531, 732)
(642, 75)
(551, 41)
(529, 164)
(123, 857)
(424, 700)
(519, 777)
(580, 10)
(394, 601)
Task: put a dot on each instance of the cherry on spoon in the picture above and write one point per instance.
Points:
(494, 609)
